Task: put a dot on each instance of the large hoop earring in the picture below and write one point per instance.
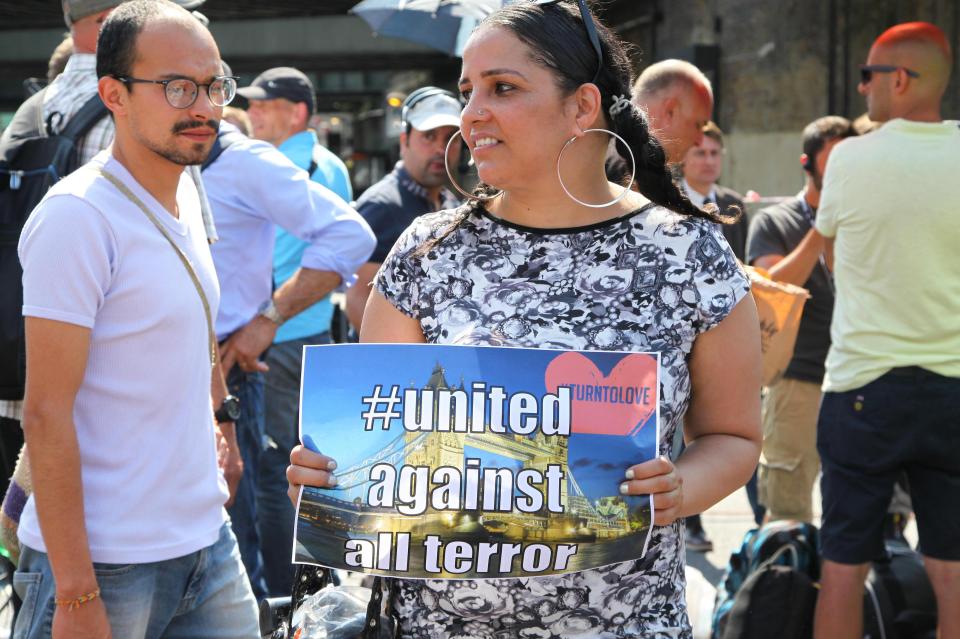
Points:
(626, 189)
(446, 165)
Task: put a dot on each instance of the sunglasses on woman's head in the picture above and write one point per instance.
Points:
(591, 32)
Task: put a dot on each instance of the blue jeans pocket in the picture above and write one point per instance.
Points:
(112, 570)
(27, 587)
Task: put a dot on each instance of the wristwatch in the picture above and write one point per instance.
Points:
(269, 310)
(229, 410)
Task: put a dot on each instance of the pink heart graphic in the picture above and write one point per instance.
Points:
(618, 404)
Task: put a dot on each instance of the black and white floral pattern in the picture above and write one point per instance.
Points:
(649, 281)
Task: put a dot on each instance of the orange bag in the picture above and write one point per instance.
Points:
(780, 306)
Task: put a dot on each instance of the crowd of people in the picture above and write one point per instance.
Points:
(171, 282)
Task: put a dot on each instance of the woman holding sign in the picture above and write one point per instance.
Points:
(548, 253)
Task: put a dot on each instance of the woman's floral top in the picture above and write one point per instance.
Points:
(649, 281)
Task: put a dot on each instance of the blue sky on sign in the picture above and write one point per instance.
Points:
(336, 376)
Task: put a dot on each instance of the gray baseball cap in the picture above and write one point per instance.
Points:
(74, 10)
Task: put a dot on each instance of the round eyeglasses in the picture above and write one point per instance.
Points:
(181, 93)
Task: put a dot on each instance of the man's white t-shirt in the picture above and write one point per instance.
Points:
(152, 489)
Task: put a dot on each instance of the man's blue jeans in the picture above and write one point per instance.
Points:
(248, 388)
(275, 515)
(204, 594)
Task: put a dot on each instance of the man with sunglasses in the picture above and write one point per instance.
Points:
(125, 534)
(889, 205)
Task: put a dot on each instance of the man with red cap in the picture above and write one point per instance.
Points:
(889, 204)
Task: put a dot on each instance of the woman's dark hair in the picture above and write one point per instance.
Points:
(117, 43)
(557, 38)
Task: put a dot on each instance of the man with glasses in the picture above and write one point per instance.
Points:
(889, 205)
(63, 100)
(125, 534)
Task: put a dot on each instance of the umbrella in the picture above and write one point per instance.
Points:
(440, 24)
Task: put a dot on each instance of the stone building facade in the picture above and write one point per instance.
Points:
(777, 65)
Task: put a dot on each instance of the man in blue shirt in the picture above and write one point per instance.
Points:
(281, 104)
(253, 188)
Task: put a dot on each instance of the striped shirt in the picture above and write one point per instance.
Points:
(68, 92)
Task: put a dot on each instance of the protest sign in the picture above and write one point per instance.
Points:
(475, 462)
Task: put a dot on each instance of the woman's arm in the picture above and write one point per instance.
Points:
(382, 324)
(722, 425)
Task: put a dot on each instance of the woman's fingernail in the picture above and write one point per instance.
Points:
(310, 444)
(629, 473)
(331, 465)
(623, 489)
(332, 481)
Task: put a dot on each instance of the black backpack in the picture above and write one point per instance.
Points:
(31, 161)
(899, 602)
(774, 601)
(789, 544)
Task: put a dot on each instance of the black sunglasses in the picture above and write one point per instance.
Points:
(867, 71)
(591, 32)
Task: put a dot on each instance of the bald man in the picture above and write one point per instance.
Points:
(890, 204)
(678, 100)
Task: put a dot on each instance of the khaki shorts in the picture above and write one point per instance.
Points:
(789, 462)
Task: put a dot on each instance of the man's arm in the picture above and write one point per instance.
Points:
(358, 294)
(56, 361)
(767, 248)
(228, 449)
(797, 266)
(306, 287)
(339, 241)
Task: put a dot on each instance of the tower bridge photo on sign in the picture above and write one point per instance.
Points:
(475, 462)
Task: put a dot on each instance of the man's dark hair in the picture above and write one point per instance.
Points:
(822, 130)
(712, 131)
(117, 44)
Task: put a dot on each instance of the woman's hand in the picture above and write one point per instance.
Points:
(310, 469)
(657, 477)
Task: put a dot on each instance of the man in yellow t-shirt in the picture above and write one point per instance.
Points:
(891, 202)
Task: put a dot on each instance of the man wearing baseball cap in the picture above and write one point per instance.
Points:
(430, 117)
(282, 100)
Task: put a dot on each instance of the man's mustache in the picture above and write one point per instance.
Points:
(193, 124)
